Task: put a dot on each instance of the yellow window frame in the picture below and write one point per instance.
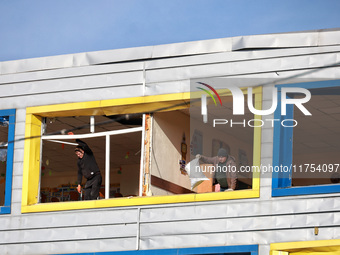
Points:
(31, 171)
(317, 247)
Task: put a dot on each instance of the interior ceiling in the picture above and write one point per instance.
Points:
(124, 148)
(321, 131)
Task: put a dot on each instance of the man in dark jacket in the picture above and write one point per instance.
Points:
(87, 167)
(225, 176)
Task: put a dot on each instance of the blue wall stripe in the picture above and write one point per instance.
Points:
(252, 249)
(6, 209)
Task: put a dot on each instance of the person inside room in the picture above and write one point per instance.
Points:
(225, 174)
(88, 167)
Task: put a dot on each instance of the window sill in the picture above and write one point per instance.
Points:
(5, 210)
(307, 190)
(138, 201)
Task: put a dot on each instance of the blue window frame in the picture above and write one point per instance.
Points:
(7, 120)
(217, 250)
(282, 182)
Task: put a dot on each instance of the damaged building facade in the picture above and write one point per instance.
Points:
(271, 101)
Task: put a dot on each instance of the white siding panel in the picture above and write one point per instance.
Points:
(188, 48)
(69, 234)
(238, 68)
(329, 38)
(241, 208)
(243, 224)
(239, 238)
(167, 87)
(70, 84)
(266, 150)
(19, 152)
(200, 240)
(292, 40)
(72, 97)
(162, 63)
(17, 181)
(26, 65)
(282, 77)
(236, 56)
(119, 55)
(69, 219)
(280, 41)
(16, 194)
(83, 71)
(121, 244)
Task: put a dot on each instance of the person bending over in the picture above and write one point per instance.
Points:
(87, 167)
(225, 176)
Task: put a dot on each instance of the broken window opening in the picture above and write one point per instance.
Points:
(116, 144)
(173, 129)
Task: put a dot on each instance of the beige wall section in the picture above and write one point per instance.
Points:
(168, 129)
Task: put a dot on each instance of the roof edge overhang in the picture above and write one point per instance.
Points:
(325, 37)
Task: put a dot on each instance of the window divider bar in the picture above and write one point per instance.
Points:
(107, 167)
(113, 132)
(142, 159)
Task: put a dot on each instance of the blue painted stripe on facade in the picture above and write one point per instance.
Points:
(6, 209)
(307, 190)
(252, 249)
(7, 112)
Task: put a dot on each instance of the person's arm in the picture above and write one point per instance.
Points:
(207, 160)
(210, 160)
(232, 176)
(84, 145)
(80, 177)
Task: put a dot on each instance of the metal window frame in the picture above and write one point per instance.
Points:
(282, 150)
